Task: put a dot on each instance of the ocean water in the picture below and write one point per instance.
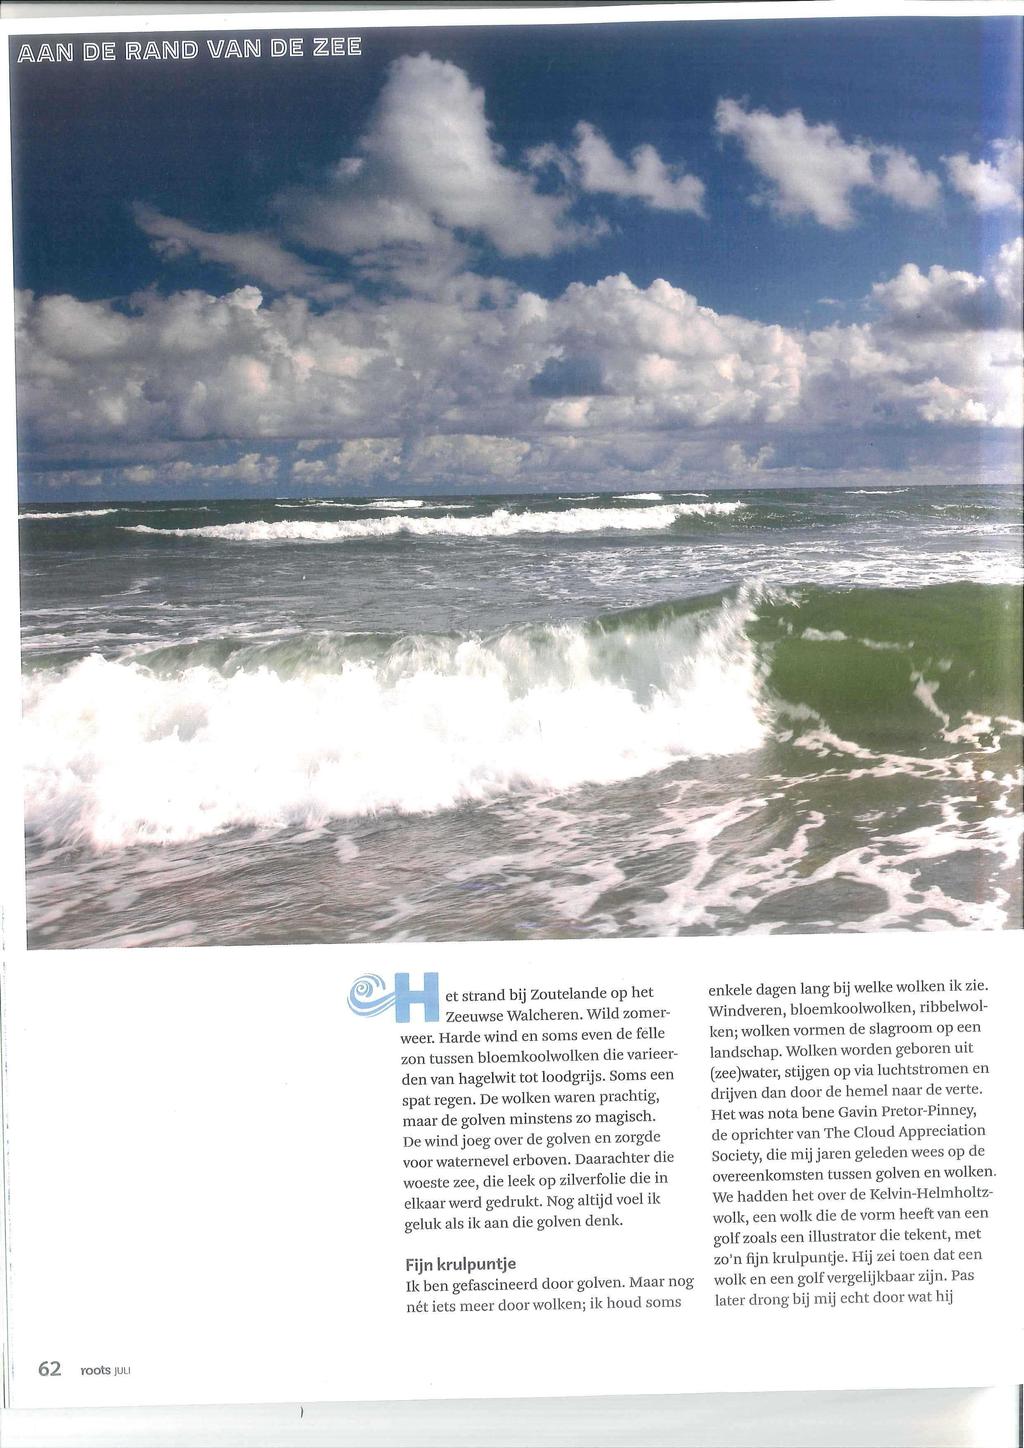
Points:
(522, 717)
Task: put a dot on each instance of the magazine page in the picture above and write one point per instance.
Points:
(512, 860)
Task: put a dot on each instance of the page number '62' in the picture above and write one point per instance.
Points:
(49, 1370)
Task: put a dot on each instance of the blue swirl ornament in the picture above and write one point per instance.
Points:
(370, 996)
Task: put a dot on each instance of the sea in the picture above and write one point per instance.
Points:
(532, 717)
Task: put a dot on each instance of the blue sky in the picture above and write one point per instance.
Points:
(521, 258)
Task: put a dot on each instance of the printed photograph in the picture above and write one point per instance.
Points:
(519, 482)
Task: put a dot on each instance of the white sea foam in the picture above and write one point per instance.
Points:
(75, 513)
(499, 524)
(865, 568)
(641, 497)
(116, 754)
(378, 505)
(836, 636)
(723, 879)
(394, 505)
(696, 898)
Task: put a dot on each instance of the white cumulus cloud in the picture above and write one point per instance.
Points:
(594, 167)
(899, 176)
(813, 171)
(989, 185)
(941, 300)
(946, 350)
(426, 174)
(251, 256)
(934, 301)
(1007, 273)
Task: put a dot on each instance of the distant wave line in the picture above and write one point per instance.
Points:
(499, 524)
(76, 513)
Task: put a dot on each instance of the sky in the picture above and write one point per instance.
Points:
(521, 258)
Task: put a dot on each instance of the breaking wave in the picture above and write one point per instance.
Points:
(499, 524)
(196, 738)
(191, 740)
(74, 513)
